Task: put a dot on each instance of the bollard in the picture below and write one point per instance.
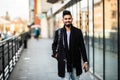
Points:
(25, 43)
(25, 39)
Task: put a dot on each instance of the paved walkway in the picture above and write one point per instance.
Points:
(36, 63)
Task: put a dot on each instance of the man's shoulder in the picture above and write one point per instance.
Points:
(59, 29)
(76, 28)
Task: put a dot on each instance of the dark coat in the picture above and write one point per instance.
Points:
(74, 54)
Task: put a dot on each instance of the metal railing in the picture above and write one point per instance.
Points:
(10, 51)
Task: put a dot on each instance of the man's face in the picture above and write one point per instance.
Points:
(67, 20)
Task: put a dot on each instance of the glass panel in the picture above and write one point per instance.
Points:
(84, 21)
(98, 37)
(84, 16)
(111, 37)
(74, 12)
(119, 41)
(78, 14)
(90, 35)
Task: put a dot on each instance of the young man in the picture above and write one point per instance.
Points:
(69, 48)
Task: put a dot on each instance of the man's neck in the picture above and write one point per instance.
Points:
(67, 28)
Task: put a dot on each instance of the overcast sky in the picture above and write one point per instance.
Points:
(15, 8)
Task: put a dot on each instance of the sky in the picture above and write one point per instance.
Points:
(15, 8)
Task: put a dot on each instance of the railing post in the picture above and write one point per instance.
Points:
(25, 37)
(3, 62)
(12, 53)
(15, 50)
(8, 57)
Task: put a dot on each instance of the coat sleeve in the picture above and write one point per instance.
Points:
(82, 48)
(54, 44)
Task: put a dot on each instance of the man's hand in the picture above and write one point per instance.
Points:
(85, 66)
(56, 55)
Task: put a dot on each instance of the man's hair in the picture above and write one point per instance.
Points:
(66, 12)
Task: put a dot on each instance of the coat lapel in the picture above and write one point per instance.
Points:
(65, 39)
(70, 39)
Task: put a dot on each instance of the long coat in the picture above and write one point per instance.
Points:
(73, 54)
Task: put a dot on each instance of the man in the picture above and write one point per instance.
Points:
(71, 49)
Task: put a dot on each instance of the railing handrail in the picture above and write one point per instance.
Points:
(11, 37)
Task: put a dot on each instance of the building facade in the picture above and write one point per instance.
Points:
(98, 19)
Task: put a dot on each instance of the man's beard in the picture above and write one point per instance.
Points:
(68, 25)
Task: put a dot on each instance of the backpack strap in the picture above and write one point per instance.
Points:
(59, 32)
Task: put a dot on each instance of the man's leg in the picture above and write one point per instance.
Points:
(67, 76)
(74, 76)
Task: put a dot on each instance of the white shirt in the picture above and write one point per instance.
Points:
(68, 37)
